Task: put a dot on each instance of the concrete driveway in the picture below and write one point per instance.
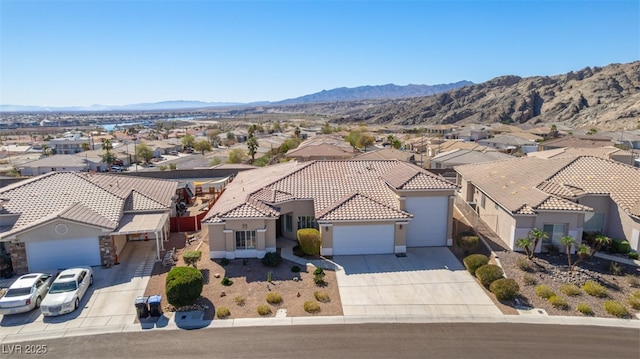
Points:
(427, 282)
(108, 302)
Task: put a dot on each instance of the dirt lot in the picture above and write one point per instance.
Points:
(249, 282)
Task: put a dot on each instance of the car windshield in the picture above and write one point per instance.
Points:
(18, 292)
(62, 287)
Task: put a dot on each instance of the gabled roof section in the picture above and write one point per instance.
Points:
(406, 177)
(559, 204)
(137, 201)
(95, 199)
(532, 181)
(327, 183)
(78, 212)
(359, 207)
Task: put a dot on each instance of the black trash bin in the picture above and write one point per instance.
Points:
(141, 307)
(155, 310)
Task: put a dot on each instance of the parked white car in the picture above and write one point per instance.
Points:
(67, 291)
(26, 293)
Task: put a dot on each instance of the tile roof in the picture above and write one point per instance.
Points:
(357, 206)
(463, 157)
(602, 152)
(387, 153)
(539, 183)
(323, 149)
(56, 161)
(95, 199)
(339, 189)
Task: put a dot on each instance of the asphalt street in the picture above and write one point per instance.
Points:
(439, 340)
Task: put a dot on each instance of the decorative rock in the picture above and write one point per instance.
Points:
(295, 279)
(217, 275)
(223, 294)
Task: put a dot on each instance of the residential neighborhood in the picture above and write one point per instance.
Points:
(134, 203)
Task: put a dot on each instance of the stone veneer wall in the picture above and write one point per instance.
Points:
(19, 258)
(107, 251)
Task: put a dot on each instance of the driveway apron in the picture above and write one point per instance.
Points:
(427, 282)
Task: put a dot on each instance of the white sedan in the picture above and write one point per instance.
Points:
(26, 293)
(67, 291)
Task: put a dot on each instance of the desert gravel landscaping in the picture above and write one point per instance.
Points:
(250, 287)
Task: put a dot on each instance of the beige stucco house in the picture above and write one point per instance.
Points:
(359, 207)
(63, 219)
(560, 195)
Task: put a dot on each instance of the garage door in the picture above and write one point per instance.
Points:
(363, 239)
(428, 227)
(62, 253)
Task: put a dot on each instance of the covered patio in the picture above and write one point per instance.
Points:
(145, 226)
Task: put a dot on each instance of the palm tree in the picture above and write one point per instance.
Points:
(107, 157)
(537, 236)
(600, 241)
(568, 242)
(525, 243)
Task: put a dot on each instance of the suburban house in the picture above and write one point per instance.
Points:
(512, 142)
(322, 147)
(459, 157)
(55, 163)
(609, 152)
(359, 207)
(580, 141)
(64, 219)
(70, 143)
(560, 195)
(387, 153)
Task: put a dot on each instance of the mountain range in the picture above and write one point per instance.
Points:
(602, 97)
(389, 91)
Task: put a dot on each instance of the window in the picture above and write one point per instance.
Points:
(288, 223)
(306, 222)
(245, 239)
(555, 232)
(593, 222)
(483, 201)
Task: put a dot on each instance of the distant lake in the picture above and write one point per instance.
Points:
(113, 126)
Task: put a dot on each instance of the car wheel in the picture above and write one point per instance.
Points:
(77, 303)
(91, 280)
(38, 301)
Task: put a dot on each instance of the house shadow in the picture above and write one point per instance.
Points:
(12, 320)
(195, 319)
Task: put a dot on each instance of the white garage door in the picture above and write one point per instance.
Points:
(428, 227)
(63, 253)
(363, 239)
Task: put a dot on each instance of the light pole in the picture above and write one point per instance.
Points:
(135, 152)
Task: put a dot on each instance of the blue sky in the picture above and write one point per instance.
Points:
(63, 53)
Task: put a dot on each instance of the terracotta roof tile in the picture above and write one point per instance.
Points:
(327, 183)
(357, 206)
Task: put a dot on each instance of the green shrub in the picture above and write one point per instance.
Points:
(529, 279)
(633, 255)
(295, 269)
(621, 246)
(474, 262)
(467, 241)
(311, 307)
(570, 289)
(543, 291)
(558, 302)
(633, 281)
(615, 268)
(616, 308)
(239, 300)
(224, 262)
(595, 289)
(585, 309)
(488, 273)
(309, 239)
(223, 312)
(271, 259)
(318, 271)
(191, 258)
(274, 298)
(634, 300)
(322, 297)
(318, 279)
(183, 286)
(524, 264)
(504, 289)
(264, 309)
(226, 282)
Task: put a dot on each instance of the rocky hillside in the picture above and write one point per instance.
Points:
(603, 97)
